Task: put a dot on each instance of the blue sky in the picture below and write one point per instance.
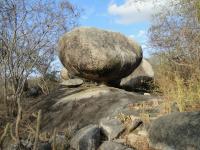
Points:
(126, 16)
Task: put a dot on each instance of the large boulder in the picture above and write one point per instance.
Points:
(88, 138)
(140, 78)
(179, 131)
(99, 55)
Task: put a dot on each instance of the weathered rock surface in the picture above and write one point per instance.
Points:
(137, 141)
(109, 145)
(72, 82)
(71, 109)
(64, 74)
(178, 131)
(88, 138)
(139, 78)
(82, 106)
(98, 54)
(111, 127)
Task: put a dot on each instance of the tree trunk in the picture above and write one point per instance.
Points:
(19, 116)
(5, 93)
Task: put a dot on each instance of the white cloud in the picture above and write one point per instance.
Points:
(132, 11)
(144, 46)
(132, 36)
(141, 33)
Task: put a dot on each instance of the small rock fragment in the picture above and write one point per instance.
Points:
(137, 141)
(88, 138)
(72, 82)
(111, 127)
(64, 74)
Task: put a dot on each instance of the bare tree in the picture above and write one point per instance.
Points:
(175, 38)
(175, 33)
(29, 31)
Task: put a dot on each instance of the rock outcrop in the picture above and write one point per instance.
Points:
(85, 111)
(177, 131)
(99, 55)
(83, 105)
(140, 78)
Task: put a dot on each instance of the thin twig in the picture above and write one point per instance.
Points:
(37, 130)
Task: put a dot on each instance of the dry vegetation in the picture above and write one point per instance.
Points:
(186, 93)
(175, 34)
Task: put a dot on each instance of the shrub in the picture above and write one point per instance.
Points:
(178, 86)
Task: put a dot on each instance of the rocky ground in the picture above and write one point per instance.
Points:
(106, 118)
(99, 106)
(85, 105)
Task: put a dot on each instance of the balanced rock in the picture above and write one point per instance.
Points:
(177, 131)
(99, 55)
(140, 78)
(64, 74)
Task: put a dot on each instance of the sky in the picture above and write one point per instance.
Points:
(129, 17)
